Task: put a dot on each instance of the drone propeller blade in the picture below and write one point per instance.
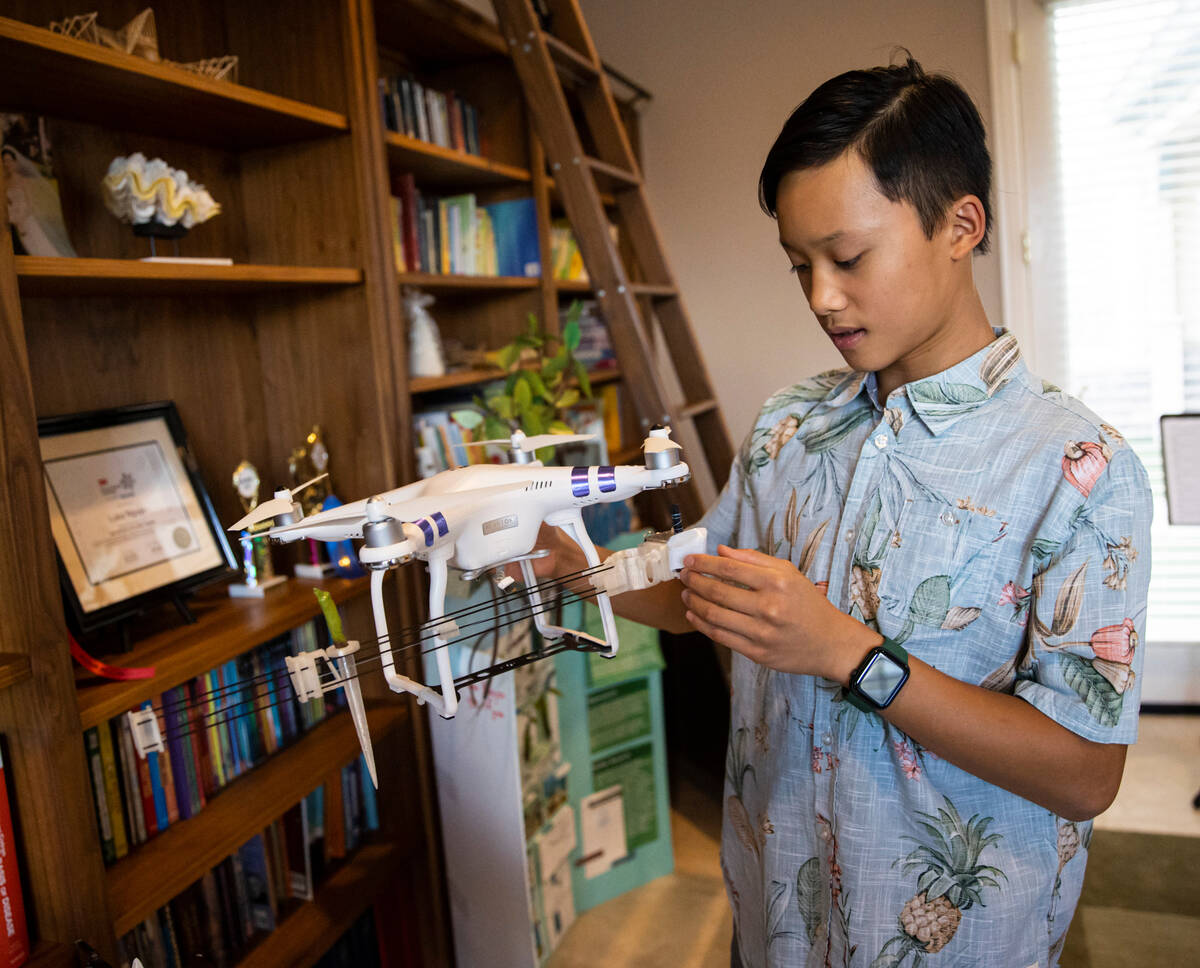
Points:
(534, 443)
(264, 512)
(300, 489)
(659, 440)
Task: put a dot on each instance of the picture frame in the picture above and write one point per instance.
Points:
(132, 522)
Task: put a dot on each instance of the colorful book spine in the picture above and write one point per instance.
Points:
(14, 939)
(132, 785)
(91, 744)
(112, 791)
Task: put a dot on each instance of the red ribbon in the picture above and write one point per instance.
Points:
(103, 669)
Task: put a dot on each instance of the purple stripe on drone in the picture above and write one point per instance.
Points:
(425, 526)
(442, 526)
(607, 478)
(579, 481)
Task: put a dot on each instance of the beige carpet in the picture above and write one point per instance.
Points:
(1140, 905)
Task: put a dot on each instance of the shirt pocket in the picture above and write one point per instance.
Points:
(940, 568)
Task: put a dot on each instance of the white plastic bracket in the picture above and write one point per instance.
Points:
(649, 563)
(306, 678)
(147, 738)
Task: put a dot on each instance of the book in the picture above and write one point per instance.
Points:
(131, 786)
(253, 856)
(112, 791)
(514, 224)
(91, 744)
(14, 939)
(298, 865)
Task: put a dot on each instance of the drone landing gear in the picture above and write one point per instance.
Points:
(446, 701)
(572, 523)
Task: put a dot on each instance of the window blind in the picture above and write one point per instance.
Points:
(1125, 76)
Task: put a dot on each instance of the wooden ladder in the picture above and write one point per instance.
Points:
(548, 62)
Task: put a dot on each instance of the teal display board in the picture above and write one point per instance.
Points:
(611, 718)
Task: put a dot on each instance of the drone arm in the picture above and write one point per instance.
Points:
(572, 523)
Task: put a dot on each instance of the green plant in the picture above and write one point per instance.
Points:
(544, 381)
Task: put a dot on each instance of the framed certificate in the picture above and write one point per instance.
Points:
(130, 517)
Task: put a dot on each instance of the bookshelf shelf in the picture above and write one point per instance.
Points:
(436, 166)
(155, 872)
(435, 32)
(433, 280)
(51, 74)
(465, 378)
(225, 627)
(42, 276)
(301, 937)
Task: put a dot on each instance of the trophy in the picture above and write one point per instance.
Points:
(307, 461)
(257, 572)
(310, 460)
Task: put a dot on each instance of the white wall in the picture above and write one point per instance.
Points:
(724, 77)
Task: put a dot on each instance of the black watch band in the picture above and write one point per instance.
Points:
(879, 677)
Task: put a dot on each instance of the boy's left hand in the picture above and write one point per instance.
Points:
(764, 608)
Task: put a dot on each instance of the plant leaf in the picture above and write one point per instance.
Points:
(931, 601)
(571, 335)
(811, 544)
(1103, 702)
(1069, 601)
(558, 427)
(959, 618)
(581, 374)
(809, 892)
(467, 419)
(502, 407)
(569, 398)
(508, 355)
(522, 398)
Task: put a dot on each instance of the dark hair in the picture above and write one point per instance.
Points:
(919, 133)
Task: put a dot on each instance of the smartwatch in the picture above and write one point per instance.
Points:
(879, 677)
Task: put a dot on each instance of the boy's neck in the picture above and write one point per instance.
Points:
(966, 335)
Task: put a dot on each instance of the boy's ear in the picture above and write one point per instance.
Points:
(968, 223)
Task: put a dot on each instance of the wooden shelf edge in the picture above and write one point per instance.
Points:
(116, 64)
(43, 275)
(158, 870)
(465, 378)
(404, 146)
(301, 938)
(433, 280)
(179, 653)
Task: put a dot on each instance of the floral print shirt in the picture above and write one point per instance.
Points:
(999, 531)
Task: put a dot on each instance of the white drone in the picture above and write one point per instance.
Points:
(477, 519)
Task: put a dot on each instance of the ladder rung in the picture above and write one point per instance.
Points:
(616, 178)
(572, 66)
(696, 409)
(655, 290)
(606, 198)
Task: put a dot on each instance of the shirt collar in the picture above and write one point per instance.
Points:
(942, 399)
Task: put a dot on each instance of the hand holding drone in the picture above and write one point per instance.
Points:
(477, 519)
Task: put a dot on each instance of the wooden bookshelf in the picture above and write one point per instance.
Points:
(14, 667)
(159, 869)
(52, 74)
(303, 934)
(483, 284)
(51, 954)
(225, 627)
(465, 378)
(435, 166)
(41, 276)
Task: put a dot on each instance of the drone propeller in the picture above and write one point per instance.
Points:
(520, 442)
(282, 503)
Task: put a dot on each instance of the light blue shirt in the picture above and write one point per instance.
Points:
(1000, 532)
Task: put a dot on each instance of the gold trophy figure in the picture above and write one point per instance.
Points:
(257, 572)
(308, 461)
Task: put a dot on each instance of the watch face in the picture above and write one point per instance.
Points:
(881, 679)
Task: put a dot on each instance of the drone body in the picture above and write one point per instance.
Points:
(476, 519)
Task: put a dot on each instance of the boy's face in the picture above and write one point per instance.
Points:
(886, 295)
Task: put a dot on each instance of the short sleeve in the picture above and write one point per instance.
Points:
(1088, 610)
(722, 517)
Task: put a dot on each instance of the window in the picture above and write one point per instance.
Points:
(1112, 161)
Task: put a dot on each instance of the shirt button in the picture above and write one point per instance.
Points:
(881, 441)
(849, 534)
(827, 739)
(947, 517)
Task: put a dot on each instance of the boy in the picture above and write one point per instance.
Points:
(931, 567)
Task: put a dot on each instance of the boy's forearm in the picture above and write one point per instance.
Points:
(658, 606)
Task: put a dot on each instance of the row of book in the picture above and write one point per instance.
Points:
(220, 917)
(215, 728)
(438, 117)
(455, 235)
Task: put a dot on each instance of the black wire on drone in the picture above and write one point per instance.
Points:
(549, 584)
(208, 720)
